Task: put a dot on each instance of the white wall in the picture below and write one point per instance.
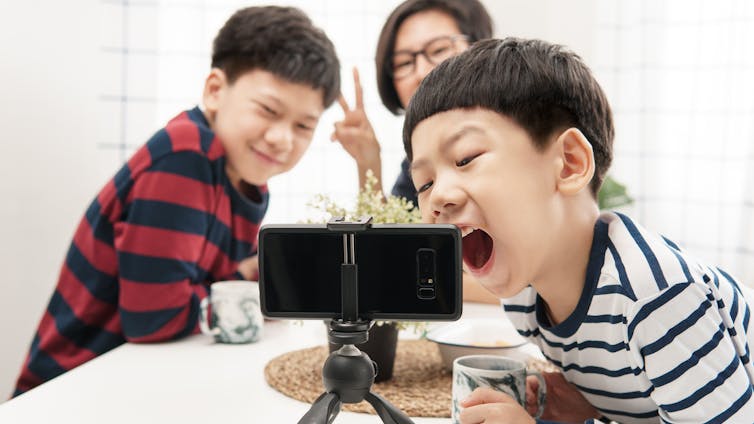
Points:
(59, 119)
(48, 107)
(572, 23)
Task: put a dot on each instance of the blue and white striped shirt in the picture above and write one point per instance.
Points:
(657, 336)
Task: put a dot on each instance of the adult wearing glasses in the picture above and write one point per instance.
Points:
(417, 36)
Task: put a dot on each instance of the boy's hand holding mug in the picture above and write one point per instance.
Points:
(493, 389)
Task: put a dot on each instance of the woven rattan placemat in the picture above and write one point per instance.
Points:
(420, 386)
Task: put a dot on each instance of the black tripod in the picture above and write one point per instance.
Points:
(348, 373)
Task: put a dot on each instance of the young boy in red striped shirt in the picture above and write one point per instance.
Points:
(184, 211)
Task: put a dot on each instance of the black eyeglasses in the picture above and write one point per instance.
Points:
(435, 51)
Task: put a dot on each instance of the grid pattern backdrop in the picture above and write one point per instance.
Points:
(679, 77)
(157, 54)
(675, 72)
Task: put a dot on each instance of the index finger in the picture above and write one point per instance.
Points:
(492, 413)
(484, 395)
(343, 103)
(357, 89)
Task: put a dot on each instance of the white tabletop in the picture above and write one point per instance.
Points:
(193, 380)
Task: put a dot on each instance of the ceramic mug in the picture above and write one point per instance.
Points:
(497, 372)
(235, 313)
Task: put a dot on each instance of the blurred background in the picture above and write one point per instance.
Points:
(86, 82)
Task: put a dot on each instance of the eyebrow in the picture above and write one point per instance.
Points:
(447, 142)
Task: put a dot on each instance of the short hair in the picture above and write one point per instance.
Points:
(543, 87)
(470, 16)
(280, 40)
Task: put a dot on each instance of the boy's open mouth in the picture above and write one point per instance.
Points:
(477, 249)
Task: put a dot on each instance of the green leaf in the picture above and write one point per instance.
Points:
(613, 194)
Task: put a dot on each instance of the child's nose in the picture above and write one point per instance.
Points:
(445, 199)
(280, 137)
(444, 211)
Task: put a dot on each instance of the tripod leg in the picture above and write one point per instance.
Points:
(323, 410)
(387, 412)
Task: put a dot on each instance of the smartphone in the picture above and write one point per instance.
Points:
(405, 271)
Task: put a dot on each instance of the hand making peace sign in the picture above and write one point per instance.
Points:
(356, 135)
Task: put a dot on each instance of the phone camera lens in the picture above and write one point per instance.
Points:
(426, 266)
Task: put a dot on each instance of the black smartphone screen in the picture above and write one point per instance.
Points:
(404, 271)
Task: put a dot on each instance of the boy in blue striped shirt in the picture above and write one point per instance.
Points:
(510, 141)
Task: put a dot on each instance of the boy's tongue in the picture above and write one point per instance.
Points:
(477, 248)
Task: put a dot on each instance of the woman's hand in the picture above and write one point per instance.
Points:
(485, 405)
(356, 135)
(564, 402)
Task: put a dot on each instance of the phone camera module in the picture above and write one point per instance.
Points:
(425, 259)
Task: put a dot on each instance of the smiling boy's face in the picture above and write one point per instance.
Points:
(264, 122)
(479, 170)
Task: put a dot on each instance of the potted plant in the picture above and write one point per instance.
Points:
(613, 194)
(383, 336)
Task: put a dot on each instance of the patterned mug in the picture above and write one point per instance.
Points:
(235, 313)
(496, 372)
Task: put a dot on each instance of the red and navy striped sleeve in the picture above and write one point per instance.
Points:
(159, 246)
(167, 224)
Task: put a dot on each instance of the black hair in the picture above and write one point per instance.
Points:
(280, 40)
(543, 87)
(470, 16)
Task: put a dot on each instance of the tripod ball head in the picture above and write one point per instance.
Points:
(349, 374)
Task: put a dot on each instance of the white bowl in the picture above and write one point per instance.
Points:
(478, 336)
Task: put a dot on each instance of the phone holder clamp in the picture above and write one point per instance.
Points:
(339, 223)
(348, 373)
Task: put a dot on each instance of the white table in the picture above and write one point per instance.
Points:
(189, 381)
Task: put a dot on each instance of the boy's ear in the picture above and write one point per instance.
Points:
(214, 86)
(575, 161)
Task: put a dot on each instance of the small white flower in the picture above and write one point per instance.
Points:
(383, 210)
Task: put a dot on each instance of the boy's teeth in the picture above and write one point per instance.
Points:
(466, 231)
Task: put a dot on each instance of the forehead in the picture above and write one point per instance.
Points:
(438, 127)
(299, 98)
(423, 26)
(438, 133)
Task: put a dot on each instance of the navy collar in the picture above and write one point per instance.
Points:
(197, 116)
(596, 260)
